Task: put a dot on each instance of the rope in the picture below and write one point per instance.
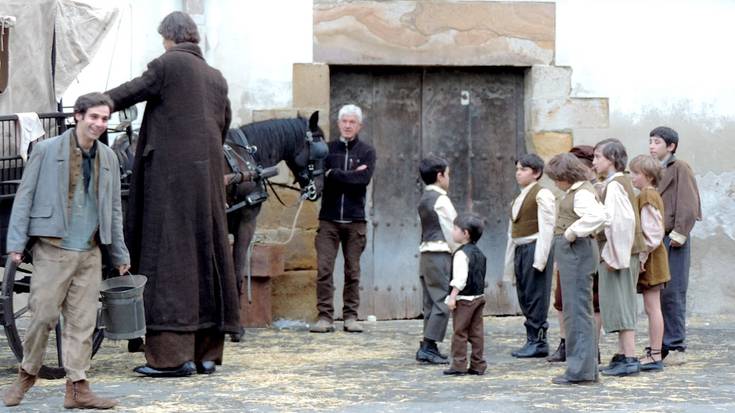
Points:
(252, 243)
(293, 225)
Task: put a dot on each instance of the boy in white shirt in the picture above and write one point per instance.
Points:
(467, 298)
(436, 213)
(530, 235)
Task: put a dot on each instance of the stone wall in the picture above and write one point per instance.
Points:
(418, 33)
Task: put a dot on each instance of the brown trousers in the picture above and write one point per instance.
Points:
(330, 235)
(68, 283)
(468, 326)
(167, 349)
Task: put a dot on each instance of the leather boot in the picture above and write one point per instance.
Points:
(14, 394)
(427, 354)
(538, 347)
(560, 355)
(530, 336)
(433, 347)
(543, 343)
(80, 396)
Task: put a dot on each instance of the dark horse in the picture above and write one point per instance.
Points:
(259, 146)
(251, 151)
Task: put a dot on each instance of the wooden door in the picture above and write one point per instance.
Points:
(473, 118)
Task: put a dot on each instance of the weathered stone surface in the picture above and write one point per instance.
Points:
(294, 296)
(556, 114)
(273, 215)
(299, 253)
(257, 313)
(311, 85)
(267, 114)
(548, 144)
(549, 82)
(267, 260)
(412, 32)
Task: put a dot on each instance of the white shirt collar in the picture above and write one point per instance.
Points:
(613, 176)
(575, 186)
(436, 188)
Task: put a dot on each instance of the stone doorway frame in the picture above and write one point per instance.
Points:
(436, 33)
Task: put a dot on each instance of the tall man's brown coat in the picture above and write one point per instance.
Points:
(175, 225)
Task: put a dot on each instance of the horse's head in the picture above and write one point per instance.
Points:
(308, 164)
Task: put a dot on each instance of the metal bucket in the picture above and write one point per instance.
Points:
(122, 307)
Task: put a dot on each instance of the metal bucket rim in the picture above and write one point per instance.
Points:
(135, 282)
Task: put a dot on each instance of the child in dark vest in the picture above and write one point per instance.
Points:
(579, 216)
(530, 234)
(437, 214)
(467, 298)
(645, 173)
(622, 241)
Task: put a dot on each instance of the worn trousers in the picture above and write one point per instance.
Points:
(618, 297)
(68, 283)
(576, 261)
(533, 288)
(329, 237)
(468, 327)
(674, 296)
(434, 273)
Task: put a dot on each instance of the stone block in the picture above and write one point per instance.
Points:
(299, 253)
(259, 312)
(549, 82)
(267, 260)
(294, 296)
(414, 32)
(310, 85)
(548, 144)
(267, 114)
(557, 114)
(273, 215)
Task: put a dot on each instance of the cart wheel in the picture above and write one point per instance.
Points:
(17, 280)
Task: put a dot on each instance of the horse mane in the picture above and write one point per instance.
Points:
(276, 139)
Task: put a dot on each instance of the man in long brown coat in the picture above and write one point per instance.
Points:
(175, 224)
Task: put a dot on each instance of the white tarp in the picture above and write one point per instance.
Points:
(80, 29)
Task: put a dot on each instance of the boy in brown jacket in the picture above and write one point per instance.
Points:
(680, 194)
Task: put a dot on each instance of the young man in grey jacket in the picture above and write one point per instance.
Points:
(68, 203)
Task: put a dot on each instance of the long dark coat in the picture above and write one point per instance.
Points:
(176, 227)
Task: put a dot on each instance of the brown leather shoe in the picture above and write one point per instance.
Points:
(14, 394)
(80, 396)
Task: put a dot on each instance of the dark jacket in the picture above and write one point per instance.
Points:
(343, 197)
(175, 225)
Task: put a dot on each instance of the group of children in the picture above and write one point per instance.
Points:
(604, 240)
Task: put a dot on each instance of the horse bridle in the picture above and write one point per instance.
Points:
(318, 151)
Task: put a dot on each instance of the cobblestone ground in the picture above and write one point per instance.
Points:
(285, 370)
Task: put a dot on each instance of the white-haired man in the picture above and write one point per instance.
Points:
(349, 168)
